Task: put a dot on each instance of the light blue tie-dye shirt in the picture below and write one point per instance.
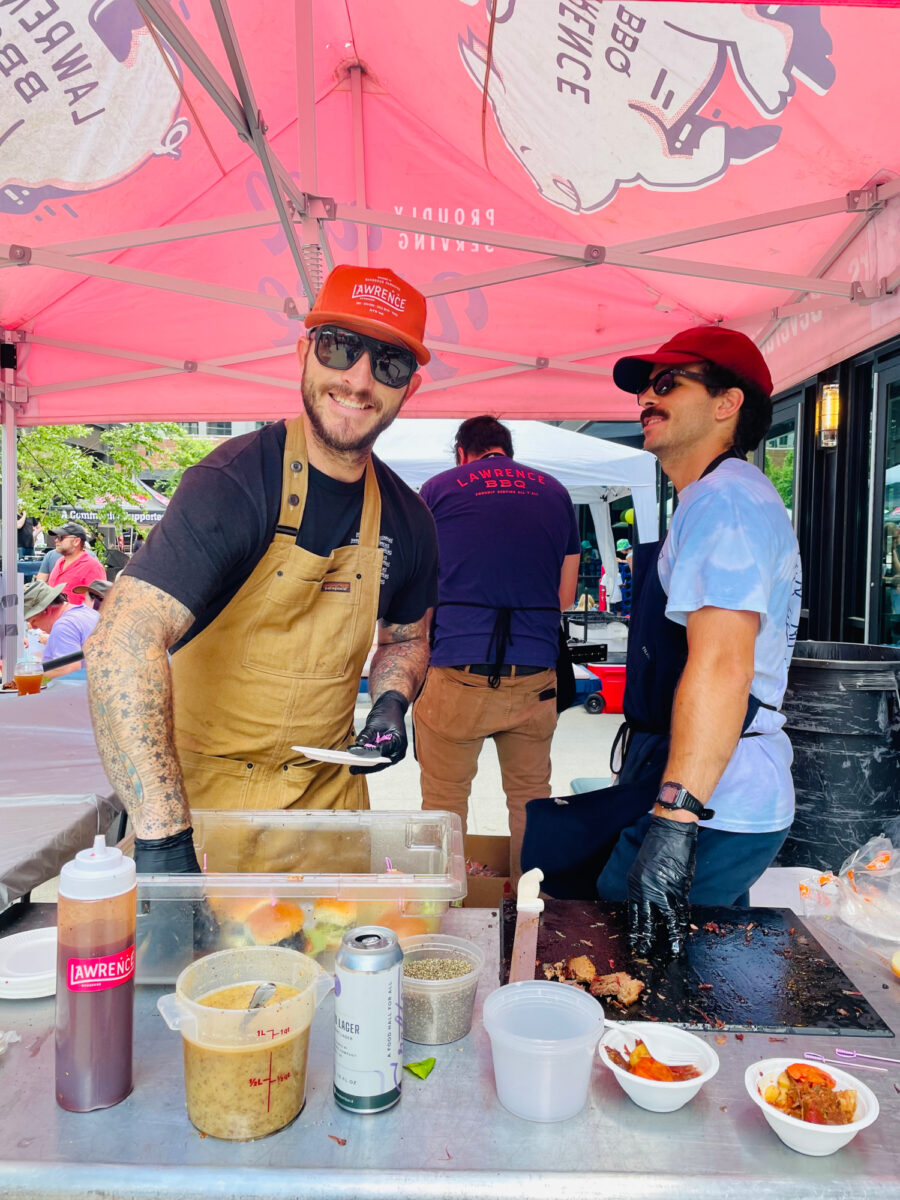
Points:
(731, 545)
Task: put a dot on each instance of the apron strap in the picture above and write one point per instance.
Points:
(295, 488)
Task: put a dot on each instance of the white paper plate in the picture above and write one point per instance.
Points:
(28, 964)
(339, 756)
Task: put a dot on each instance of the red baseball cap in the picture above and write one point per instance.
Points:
(710, 343)
(372, 300)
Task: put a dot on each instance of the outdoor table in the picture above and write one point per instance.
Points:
(54, 794)
(447, 1138)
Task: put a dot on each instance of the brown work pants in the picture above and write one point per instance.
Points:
(453, 715)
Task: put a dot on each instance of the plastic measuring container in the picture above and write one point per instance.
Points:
(543, 1037)
(245, 1069)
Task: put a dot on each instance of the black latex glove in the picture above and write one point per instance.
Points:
(169, 930)
(659, 884)
(172, 855)
(385, 731)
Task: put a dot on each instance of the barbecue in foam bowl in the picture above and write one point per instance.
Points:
(659, 1067)
(810, 1114)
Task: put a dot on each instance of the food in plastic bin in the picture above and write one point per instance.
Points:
(863, 899)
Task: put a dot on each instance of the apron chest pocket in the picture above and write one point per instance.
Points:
(304, 627)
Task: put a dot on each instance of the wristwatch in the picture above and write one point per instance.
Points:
(673, 795)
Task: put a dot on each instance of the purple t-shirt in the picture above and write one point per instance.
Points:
(503, 529)
(71, 631)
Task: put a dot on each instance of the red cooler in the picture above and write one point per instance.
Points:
(612, 680)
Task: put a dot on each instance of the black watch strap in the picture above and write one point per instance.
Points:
(674, 795)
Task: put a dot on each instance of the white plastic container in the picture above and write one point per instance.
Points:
(802, 1136)
(438, 1011)
(543, 1037)
(674, 1047)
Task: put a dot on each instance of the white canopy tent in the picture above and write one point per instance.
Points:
(593, 471)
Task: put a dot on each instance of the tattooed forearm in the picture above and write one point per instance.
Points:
(130, 691)
(401, 660)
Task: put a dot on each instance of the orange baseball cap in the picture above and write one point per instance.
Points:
(372, 300)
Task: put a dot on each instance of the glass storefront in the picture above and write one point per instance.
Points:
(890, 533)
(780, 460)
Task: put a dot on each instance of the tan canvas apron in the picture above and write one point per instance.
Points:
(279, 666)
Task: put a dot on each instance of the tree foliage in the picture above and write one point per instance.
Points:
(55, 473)
(782, 477)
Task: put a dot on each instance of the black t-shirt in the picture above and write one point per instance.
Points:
(25, 538)
(223, 515)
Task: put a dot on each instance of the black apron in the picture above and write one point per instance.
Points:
(571, 837)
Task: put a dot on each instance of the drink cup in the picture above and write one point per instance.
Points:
(29, 676)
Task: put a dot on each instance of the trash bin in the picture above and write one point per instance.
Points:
(842, 714)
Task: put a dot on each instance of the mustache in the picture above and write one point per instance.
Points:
(652, 412)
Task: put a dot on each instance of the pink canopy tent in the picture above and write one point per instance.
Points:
(565, 181)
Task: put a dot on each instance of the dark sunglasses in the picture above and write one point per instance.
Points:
(340, 348)
(663, 383)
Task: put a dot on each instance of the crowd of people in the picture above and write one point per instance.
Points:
(311, 546)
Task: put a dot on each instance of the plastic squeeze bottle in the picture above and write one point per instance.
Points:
(95, 978)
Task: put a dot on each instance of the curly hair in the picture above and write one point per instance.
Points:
(755, 416)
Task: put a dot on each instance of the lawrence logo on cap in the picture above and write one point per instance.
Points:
(375, 301)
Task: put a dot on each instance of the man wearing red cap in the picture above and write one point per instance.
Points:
(704, 779)
(241, 630)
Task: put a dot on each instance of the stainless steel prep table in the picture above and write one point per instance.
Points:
(447, 1138)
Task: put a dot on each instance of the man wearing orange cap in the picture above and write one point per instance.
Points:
(704, 797)
(242, 628)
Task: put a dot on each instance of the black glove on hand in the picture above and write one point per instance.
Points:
(384, 731)
(659, 884)
(172, 855)
(167, 929)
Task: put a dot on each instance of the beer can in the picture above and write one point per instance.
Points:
(368, 1020)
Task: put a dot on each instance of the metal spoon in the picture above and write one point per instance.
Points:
(262, 996)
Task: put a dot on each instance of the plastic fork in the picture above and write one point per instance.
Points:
(838, 1062)
(874, 1057)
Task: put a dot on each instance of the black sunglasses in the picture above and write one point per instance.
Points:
(663, 383)
(340, 348)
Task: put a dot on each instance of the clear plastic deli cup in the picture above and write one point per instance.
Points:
(245, 1069)
(543, 1037)
(440, 978)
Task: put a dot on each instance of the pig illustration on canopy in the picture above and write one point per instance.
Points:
(592, 97)
(88, 98)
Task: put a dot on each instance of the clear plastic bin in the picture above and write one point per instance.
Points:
(300, 879)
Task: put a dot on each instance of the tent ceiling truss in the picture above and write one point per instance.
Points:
(303, 216)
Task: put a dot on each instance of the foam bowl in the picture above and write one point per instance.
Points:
(675, 1047)
(801, 1135)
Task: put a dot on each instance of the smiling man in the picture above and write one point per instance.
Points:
(265, 579)
(714, 618)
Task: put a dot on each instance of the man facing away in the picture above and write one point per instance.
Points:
(509, 555)
(713, 624)
(275, 560)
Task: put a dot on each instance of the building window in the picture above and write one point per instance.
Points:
(191, 427)
(261, 424)
(218, 429)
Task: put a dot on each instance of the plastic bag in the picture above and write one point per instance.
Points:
(863, 900)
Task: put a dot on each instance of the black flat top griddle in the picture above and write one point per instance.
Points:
(747, 969)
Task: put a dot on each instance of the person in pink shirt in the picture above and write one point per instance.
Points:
(77, 564)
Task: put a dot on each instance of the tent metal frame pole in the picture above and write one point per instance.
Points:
(257, 128)
(359, 156)
(10, 592)
(162, 235)
(311, 230)
(36, 257)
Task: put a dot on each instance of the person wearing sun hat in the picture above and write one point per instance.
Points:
(277, 558)
(66, 626)
(704, 797)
